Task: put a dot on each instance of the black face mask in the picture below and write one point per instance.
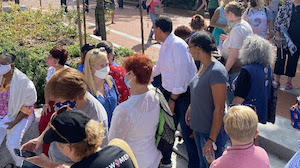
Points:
(253, 4)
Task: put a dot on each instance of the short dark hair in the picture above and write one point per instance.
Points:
(87, 47)
(198, 22)
(59, 52)
(182, 31)
(164, 23)
(9, 57)
(204, 40)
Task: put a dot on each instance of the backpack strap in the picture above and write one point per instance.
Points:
(163, 102)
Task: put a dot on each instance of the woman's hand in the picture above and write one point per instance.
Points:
(207, 148)
(171, 104)
(32, 145)
(10, 124)
(187, 116)
(278, 38)
(46, 109)
(43, 161)
(223, 37)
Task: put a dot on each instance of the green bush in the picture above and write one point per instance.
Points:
(124, 52)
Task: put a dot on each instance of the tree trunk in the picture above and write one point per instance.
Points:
(17, 1)
(100, 20)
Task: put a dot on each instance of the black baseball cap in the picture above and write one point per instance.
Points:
(87, 47)
(67, 127)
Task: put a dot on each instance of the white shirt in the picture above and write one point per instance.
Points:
(51, 71)
(175, 64)
(135, 121)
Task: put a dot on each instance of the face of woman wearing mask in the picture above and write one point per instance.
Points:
(4, 66)
(101, 69)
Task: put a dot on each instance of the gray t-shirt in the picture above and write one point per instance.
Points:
(94, 109)
(202, 103)
(235, 40)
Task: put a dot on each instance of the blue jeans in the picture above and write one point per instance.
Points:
(181, 106)
(201, 139)
(230, 90)
(153, 16)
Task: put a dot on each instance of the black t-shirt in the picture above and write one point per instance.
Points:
(294, 29)
(110, 156)
(243, 84)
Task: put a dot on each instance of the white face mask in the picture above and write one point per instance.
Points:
(4, 69)
(102, 73)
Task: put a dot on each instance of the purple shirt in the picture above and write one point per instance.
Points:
(246, 156)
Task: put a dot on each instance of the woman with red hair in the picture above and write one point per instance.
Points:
(135, 120)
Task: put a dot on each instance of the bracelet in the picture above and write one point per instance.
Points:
(174, 100)
(211, 139)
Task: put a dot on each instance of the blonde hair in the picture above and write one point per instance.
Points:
(241, 123)
(94, 136)
(93, 57)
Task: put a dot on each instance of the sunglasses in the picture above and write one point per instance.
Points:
(248, 105)
(54, 115)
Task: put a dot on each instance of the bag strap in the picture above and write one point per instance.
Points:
(163, 103)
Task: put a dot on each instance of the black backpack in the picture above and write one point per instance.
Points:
(165, 133)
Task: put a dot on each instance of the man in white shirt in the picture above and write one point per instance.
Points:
(177, 68)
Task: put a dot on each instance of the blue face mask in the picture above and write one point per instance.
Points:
(58, 105)
(127, 82)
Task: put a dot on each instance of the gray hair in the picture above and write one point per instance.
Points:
(257, 49)
(10, 58)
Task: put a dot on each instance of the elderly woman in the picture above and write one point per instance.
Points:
(219, 21)
(208, 92)
(135, 120)
(260, 19)
(17, 98)
(100, 85)
(55, 61)
(253, 85)
(83, 145)
(286, 63)
(230, 49)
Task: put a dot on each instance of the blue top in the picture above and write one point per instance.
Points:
(222, 18)
(110, 99)
(80, 67)
(259, 94)
(113, 63)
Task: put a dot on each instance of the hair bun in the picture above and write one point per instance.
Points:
(213, 47)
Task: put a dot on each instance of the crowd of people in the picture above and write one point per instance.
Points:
(104, 114)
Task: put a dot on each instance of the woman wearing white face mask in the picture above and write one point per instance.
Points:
(135, 120)
(17, 98)
(100, 84)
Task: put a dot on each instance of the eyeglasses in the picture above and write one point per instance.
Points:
(62, 109)
(248, 105)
